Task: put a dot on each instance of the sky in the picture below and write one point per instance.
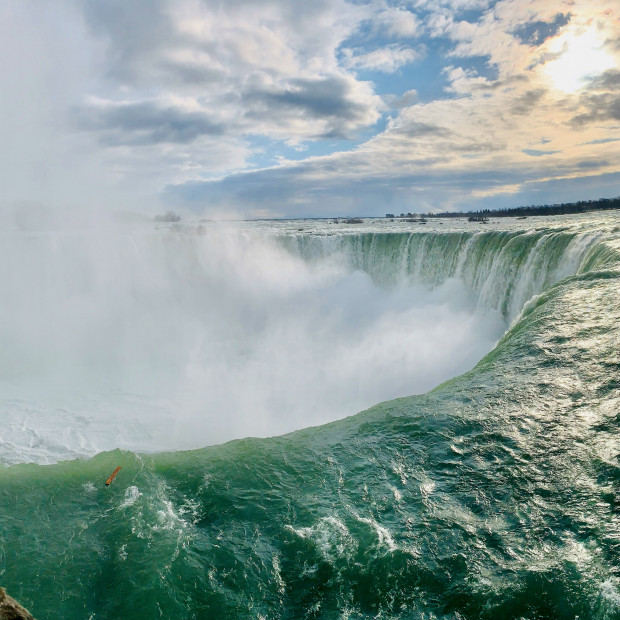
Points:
(289, 108)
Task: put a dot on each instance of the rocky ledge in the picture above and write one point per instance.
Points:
(10, 609)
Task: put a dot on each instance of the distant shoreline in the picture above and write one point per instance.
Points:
(565, 208)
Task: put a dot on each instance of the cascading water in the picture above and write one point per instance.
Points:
(495, 495)
(502, 268)
(154, 339)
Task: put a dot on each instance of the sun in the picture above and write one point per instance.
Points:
(577, 57)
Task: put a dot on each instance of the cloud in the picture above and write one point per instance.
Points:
(599, 108)
(400, 23)
(386, 59)
(298, 109)
(334, 106)
(304, 188)
(447, 153)
(601, 101)
(455, 6)
(609, 80)
(293, 108)
(149, 44)
(266, 69)
(146, 122)
(407, 99)
(417, 129)
(524, 103)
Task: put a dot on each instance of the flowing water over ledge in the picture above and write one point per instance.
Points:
(495, 495)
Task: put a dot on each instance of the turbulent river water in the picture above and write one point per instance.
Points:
(496, 494)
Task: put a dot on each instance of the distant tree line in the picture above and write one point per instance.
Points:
(582, 206)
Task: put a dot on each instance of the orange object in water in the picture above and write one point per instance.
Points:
(113, 475)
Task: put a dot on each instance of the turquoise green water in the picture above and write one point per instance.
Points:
(495, 495)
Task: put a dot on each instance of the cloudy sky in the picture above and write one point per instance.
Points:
(306, 108)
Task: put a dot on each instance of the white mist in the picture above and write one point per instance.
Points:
(156, 339)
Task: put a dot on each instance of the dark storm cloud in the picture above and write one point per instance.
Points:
(146, 123)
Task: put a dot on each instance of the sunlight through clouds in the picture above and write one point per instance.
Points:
(195, 104)
(580, 56)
